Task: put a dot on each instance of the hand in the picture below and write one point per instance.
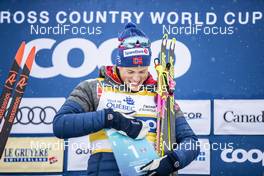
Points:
(133, 128)
(162, 166)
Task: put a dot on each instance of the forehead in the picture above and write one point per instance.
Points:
(134, 68)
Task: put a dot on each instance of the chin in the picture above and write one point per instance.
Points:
(135, 89)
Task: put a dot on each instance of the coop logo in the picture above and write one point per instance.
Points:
(93, 56)
(151, 122)
(241, 156)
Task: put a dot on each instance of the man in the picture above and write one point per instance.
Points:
(98, 104)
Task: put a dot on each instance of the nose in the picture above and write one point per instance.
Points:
(136, 78)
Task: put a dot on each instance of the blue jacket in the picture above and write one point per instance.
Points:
(78, 117)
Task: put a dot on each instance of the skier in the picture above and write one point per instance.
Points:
(98, 104)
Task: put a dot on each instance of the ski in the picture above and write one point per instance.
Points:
(7, 123)
(165, 97)
(161, 97)
(169, 132)
(10, 81)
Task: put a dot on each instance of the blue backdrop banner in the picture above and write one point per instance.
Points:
(219, 56)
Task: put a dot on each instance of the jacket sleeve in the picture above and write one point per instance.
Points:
(188, 147)
(78, 116)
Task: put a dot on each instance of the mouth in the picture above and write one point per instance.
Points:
(135, 84)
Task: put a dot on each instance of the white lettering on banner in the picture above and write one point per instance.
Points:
(156, 17)
(243, 18)
(241, 156)
(209, 18)
(75, 17)
(60, 17)
(19, 17)
(239, 117)
(94, 57)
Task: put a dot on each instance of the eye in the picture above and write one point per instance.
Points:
(143, 72)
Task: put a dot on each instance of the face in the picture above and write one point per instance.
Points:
(133, 76)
